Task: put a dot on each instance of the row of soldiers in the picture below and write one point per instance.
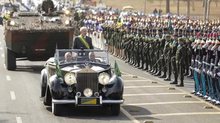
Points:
(165, 47)
(153, 54)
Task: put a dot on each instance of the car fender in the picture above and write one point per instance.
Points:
(44, 77)
(117, 87)
(56, 87)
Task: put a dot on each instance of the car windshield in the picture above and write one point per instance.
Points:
(64, 56)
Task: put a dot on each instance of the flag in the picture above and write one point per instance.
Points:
(117, 71)
(58, 71)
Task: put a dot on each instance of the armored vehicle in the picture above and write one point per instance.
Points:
(33, 36)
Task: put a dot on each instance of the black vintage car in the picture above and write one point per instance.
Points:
(81, 78)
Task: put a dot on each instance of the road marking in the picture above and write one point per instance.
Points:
(164, 103)
(3, 56)
(159, 81)
(13, 97)
(129, 116)
(162, 86)
(8, 78)
(151, 94)
(18, 119)
(135, 80)
(178, 114)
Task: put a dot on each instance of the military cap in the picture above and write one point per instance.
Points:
(167, 36)
(181, 39)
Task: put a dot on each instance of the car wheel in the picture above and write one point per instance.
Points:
(10, 59)
(43, 90)
(56, 109)
(43, 85)
(115, 109)
(47, 100)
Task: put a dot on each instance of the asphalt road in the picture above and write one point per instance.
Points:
(147, 99)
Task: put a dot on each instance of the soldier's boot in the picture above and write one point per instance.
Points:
(180, 84)
(175, 80)
(137, 65)
(152, 70)
(158, 73)
(168, 78)
(141, 66)
(155, 71)
(145, 68)
(163, 75)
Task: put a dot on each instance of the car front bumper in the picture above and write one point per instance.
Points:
(76, 101)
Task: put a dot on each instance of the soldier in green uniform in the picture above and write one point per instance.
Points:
(180, 61)
(173, 58)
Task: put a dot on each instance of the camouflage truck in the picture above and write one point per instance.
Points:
(34, 37)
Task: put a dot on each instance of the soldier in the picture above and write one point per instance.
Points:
(180, 55)
(48, 6)
(173, 58)
(166, 57)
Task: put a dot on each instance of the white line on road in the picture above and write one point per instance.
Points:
(162, 86)
(135, 80)
(3, 56)
(18, 119)
(8, 78)
(151, 94)
(178, 114)
(129, 116)
(13, 97)
(164, 103)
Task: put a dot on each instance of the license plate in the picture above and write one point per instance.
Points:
(88, 101)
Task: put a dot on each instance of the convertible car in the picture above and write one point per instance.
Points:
(82, 78)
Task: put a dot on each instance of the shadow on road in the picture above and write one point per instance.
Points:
(95, 113)
(136, 110)
(30, 68)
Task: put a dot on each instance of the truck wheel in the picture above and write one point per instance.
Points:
(10, 59)
(115, 109)
(56, 109)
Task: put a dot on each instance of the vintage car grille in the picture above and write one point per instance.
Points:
(87, 80)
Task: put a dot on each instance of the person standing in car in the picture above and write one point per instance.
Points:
(83, 41)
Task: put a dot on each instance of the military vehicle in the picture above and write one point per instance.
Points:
(34, 36)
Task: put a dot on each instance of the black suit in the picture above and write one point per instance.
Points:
(77, 44)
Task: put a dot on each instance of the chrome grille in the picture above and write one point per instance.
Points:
(87, 80)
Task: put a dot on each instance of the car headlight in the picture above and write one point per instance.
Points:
(87, 92)
(70, 78)
(67, 22)
(12, 23)
(104, 78)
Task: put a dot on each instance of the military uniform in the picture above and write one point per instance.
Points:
(180, 62)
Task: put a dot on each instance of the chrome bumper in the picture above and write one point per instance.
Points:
(76, 101)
